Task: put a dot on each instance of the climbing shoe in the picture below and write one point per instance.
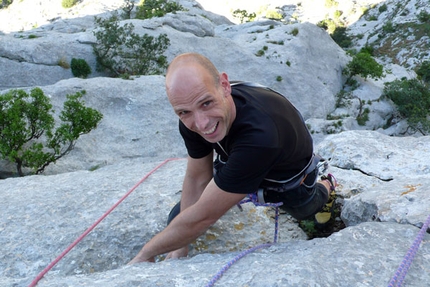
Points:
(324, 216)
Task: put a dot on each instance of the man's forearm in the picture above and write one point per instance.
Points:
(179, 233)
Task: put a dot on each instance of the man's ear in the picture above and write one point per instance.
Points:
(225, 84)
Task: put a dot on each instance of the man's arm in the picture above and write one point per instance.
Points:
(190, 223)
(198, 174)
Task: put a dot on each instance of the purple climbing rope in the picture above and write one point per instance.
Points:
(254, 199)
(400, 274)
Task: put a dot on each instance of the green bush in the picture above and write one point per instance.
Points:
(423, 71)
(127, 8)
(412, 100)
(365, 65)
(244, 16)
(383, 8)
(389, 27)
(27, 136)
(5, 3)
(340, 36)
(80, 68)
(156, 8)
(423, 16)
(68, 3)
(122, 52)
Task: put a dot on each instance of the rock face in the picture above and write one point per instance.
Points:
(383, 180)
(384, 206)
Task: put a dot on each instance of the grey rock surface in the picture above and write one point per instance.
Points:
(43, 215)
(383, 180)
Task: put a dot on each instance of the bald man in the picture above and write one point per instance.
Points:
(262, 146)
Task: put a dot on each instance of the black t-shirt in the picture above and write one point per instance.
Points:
(267, 140)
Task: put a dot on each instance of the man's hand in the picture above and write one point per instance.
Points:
(139, 259)
(181, 252)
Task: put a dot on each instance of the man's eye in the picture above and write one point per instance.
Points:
(182, 113)
(207, 103)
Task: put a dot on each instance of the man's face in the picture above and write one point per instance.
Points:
(203, 106)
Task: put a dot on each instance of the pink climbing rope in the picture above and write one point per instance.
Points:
(56, 260)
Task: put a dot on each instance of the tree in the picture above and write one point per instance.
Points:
(123, 52)
(156, 8)
(365, 65)
(412, 100)
(27, 136)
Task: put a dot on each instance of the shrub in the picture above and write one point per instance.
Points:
(340, 36)
(423, 71)
(80, 68)
(127, 8)
(274, 15)
(156, 8)
(382, 8)
(365, 65)
(27, 136)
(423, 16)
(327, 24)
(389, 27)
(5, 3)
(68, 3)
(122, 52)
(412, 100)
(295, 32)
(244, 16)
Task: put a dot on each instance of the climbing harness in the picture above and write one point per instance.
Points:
(56, 260)
(400, 274)
(253, 197)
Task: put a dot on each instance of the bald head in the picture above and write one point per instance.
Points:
(200, 96)
(191, 64)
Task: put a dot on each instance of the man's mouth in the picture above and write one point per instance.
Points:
(212, 130)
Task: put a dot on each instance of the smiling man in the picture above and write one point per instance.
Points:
(262, 146)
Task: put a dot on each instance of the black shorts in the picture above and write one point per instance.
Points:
(303, 201)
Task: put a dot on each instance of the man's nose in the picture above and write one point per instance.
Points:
(200, 121)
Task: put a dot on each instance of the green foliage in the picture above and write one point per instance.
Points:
(80, 68)
(127, 8)
(27, 136)
(423, 71)
(274, 15)
(327, 24)
(424, 16)
(279, 78)
(5, 3)
(412, 99)
(68, 3)
(123, 52)
(382, 8)
(331, 3)
(363, 117)
(368, 49)
(365, 65)
(295, 32)
(340, 36)
(389, 27)
(156, 8)
(244, 16)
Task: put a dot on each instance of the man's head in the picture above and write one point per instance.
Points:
(200, 96)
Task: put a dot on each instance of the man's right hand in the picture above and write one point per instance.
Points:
(181, 252)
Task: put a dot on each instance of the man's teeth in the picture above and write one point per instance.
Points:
(211, 130)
